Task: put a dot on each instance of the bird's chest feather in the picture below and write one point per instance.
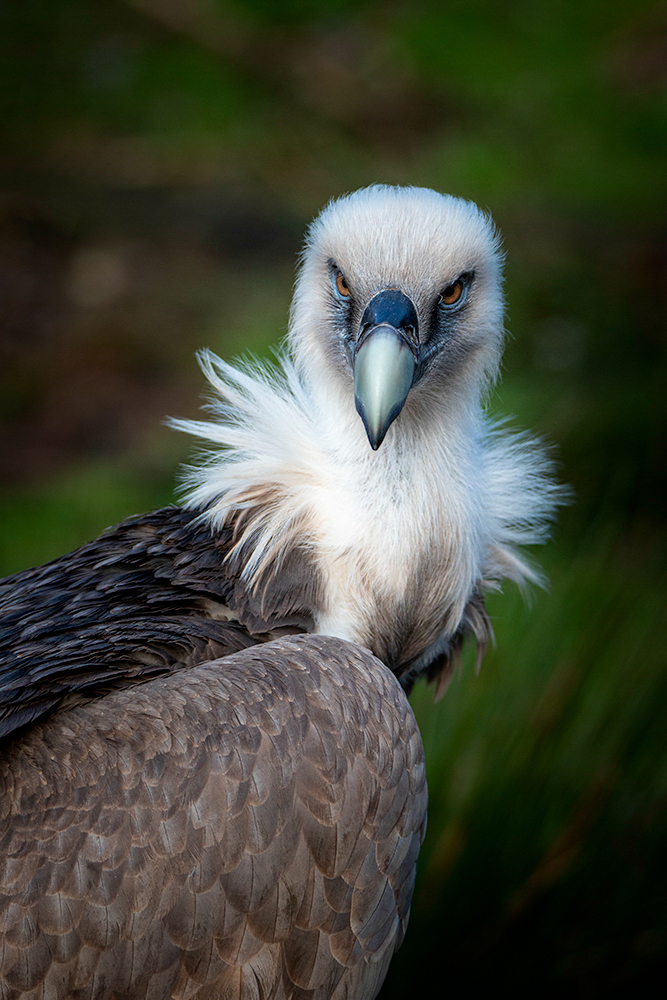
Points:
(397, 572)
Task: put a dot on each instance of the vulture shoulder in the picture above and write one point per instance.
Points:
(150, 596)
(248, 829)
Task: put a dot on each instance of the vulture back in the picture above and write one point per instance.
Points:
(247, 828)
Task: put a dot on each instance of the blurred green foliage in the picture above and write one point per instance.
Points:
(160, 160)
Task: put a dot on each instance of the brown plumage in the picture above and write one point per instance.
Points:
(189, 806)
(249, 828)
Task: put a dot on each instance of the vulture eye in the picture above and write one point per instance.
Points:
(342, 286)
(452, 293)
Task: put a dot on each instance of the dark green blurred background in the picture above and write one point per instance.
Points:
(160, 161)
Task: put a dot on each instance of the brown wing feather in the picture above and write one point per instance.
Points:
(248, 828)
(148, 597)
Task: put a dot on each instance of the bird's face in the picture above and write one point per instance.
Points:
(399, 299)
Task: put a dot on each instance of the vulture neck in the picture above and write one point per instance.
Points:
(399, 537)
(389, 544)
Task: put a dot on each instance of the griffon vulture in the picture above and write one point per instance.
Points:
(212, 784)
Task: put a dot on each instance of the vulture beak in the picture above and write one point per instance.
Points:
(385, 359)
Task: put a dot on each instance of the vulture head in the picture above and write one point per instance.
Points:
(365, 463)
(400, 297)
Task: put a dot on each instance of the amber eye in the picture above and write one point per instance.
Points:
(342, 286)
(452, 293)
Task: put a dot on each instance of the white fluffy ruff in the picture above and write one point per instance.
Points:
(447, 500)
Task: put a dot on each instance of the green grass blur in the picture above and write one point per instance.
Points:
(160, 161)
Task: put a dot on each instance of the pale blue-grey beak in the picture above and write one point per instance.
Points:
(384, 361)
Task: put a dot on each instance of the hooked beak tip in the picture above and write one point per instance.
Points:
(374, 432)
